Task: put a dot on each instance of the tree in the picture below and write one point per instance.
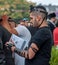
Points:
(15, 8)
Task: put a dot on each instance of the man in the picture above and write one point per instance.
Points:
(51, 21)
(4, 37)
(23, 33)
(24, 22)
(40, 48)
(12, 22)
(20, 31)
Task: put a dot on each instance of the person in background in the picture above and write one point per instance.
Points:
(21, 22)
(39, 51)
(12, 22)
(24, 22)
(25, 34)
(5, 35)
(52, 21)
(55, 36)
(22, 32)
(19, 30)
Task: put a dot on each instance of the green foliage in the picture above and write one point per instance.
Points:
(15, 8)
(54, 56)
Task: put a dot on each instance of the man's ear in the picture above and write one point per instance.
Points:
(38, 18)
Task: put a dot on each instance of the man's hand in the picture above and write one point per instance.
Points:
(10, 46)
(13, 48)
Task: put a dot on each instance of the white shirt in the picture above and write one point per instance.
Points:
(52, 22)
(24, 33)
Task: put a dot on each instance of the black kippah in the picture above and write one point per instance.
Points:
(41, 7)
(33, 8)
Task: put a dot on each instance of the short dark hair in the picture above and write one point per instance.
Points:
(36, 8)
(41, 7)
(33, 8)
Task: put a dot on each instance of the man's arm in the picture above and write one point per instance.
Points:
(29, 54)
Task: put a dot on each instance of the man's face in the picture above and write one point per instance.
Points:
(33, 20)
(54, 19)
(22, 23)
(5, 17)
(12, 24)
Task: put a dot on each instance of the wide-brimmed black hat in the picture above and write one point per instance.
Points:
(51, 15)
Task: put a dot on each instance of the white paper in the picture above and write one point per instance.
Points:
(19, 42)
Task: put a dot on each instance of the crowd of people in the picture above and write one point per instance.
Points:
(40, 34)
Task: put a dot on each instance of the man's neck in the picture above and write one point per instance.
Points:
(44, 24)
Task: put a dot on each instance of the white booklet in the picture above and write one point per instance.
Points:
(19, 42)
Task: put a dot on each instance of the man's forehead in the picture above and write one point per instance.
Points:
(37, 11)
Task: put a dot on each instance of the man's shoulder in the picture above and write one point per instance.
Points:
(42, 29)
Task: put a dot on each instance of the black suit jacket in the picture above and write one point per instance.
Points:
(51, 26)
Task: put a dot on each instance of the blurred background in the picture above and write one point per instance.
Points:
(18, 9)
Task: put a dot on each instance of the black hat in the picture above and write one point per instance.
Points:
(51, 15)
(35, 8)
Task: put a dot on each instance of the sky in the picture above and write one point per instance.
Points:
(46, 2)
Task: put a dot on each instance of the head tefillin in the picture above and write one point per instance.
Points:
(36, 8)
(40, 9)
